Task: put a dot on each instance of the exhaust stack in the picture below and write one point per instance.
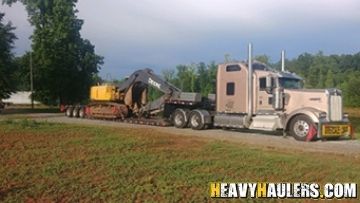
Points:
(283, 60)
(250, 84)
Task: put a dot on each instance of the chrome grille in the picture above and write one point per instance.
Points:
(335, 113)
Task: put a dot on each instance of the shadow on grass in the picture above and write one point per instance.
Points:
(280, 133)
(262, 132)
(9, 111)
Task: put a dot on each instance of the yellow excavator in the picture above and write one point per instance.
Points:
(130, 99)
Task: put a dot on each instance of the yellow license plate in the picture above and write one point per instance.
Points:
(335, 130)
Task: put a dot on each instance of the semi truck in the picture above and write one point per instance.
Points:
(249, 95)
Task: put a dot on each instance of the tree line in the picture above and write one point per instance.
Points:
(339, 71)
(319, 71)
(67, 65)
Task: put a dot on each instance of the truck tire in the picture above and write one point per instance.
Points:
(196, 121)
(82, 112)
(76, 112)
(300, 127)
(69, 111)
(180, 119)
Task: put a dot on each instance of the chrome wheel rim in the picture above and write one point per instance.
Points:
(195, 120)
(178, 119)
(75, 113)
(301, 128)
(68, 112)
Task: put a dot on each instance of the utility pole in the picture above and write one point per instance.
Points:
(31, 82)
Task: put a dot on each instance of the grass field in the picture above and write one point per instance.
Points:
(354, 116)
(28, 110)
(57, 162)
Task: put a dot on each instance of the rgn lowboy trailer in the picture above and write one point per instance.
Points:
(249, 95)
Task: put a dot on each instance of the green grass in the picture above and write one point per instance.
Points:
(57, 162)
(354, 116)
(28, 110)
(25, 112)
(355, 121)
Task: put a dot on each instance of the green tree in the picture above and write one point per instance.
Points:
(340, 71)
(22, 72)
(301, 65)
(169, 75)
(7, 38)
(313, 78)
(212, 68)
(206, 78)
(329, 82)
(203, 78)
(263, 58)
(351, 90)
(65, 64)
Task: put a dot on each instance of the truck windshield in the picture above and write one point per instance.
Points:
(290, 83)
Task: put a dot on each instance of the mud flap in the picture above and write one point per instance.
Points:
(311, 134)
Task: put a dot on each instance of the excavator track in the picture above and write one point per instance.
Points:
(138, 121)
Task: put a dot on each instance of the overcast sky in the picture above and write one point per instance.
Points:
(163, 33)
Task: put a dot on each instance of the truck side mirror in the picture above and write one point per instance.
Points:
(269, 85)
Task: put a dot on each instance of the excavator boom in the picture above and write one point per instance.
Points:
(147, 77)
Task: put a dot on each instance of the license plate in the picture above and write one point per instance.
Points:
(335, 130)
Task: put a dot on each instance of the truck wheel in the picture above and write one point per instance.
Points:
(75, 112)
(300, 127)
(196, 122)
(180, 118)
(82, 112)
(69, 111)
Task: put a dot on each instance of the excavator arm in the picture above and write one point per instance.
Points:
(135, 87)
(147, 77)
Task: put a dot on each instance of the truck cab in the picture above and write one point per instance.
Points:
(277, 101)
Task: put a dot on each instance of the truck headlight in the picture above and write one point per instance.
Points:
(346, 115)
(322, 115)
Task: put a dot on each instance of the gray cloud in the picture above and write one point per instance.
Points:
(163, 33)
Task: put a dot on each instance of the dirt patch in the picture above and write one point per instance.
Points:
(267, 141)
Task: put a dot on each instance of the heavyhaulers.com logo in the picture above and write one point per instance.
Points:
(283, 190)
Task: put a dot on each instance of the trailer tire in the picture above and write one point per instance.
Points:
(82, 112)
(75, 112)
(69, 111)
(300, 126)
(196, 121)
(180, 119)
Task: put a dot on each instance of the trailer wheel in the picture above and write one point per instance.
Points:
(180, 118)
(300, 127)
(196, 121)
(75, 112)
(82, 112)
(69, 111)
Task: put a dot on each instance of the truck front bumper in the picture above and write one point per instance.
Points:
(331, 129)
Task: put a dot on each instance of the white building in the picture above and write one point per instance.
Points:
(22, 98)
